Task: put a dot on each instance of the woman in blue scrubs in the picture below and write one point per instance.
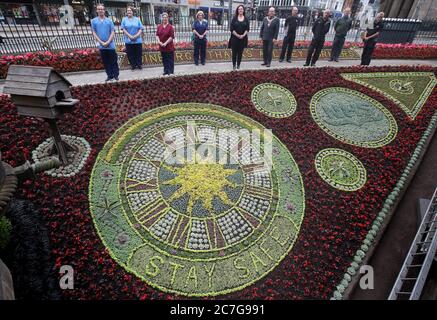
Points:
(133, 30)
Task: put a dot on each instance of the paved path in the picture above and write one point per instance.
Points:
(99, 76)
(92, 77)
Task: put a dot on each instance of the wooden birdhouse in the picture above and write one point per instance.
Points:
(44, 93)
(39, 91)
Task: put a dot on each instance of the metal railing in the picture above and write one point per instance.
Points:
(427, 33)
(21, 38)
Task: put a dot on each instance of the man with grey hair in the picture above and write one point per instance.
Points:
(269, 33)
(320, 29)
(341, 27)
(291, 25)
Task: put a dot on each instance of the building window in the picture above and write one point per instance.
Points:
(15, 13)
(49, 13)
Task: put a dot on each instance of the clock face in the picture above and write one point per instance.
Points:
(196, 199)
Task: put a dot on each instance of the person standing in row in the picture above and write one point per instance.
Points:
(103, 32)
(164, 37)
(200, 28)
(320, 29)
(370, 37)
(341, 27)
(291, 25)
(239, 29)
(269, 34)
(133, 29)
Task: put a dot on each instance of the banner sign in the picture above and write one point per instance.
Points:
(217, 55)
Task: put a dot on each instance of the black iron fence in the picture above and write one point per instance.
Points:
(427, 32)
(21, 38)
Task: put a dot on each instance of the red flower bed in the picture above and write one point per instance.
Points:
(335, 222)
(405, 51)
(76, 60)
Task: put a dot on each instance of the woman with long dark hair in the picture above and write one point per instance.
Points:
(239, 29)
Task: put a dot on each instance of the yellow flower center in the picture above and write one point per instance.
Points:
(201, 181)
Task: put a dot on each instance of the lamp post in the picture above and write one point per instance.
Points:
(229, 12)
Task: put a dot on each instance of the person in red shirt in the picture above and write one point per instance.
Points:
(165, 36)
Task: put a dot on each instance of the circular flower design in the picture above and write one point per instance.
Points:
(273, 100)
(353, 117)
(341, 169)
(188, 201)
(76, 159)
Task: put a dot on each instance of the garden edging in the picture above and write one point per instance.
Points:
(420, 151)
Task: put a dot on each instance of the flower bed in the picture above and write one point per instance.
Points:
(76, 60)
(341, 212)
(405, 51)
(89, 59)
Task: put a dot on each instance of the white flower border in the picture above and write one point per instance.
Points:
(71, 169)
(380, 220)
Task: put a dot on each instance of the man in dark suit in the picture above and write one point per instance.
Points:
(320, 29)
(291, 25)
(269, 34)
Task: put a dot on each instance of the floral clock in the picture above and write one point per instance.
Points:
(187, 217)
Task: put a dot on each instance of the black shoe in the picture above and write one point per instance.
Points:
(116, 78)
(133, 68)
(268, 65)
(238, 67)
(330, 59)
(306, 65)
(203, 63)
(289, 60)
(108, 79)
(234, 67)
(140, 68)
(264, 64)
(336, 60)
(196, 64)
(281, 60)
(313, 64)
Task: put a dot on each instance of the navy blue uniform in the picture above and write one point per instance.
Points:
(320, 29)
(370, 44)
(292, 23)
